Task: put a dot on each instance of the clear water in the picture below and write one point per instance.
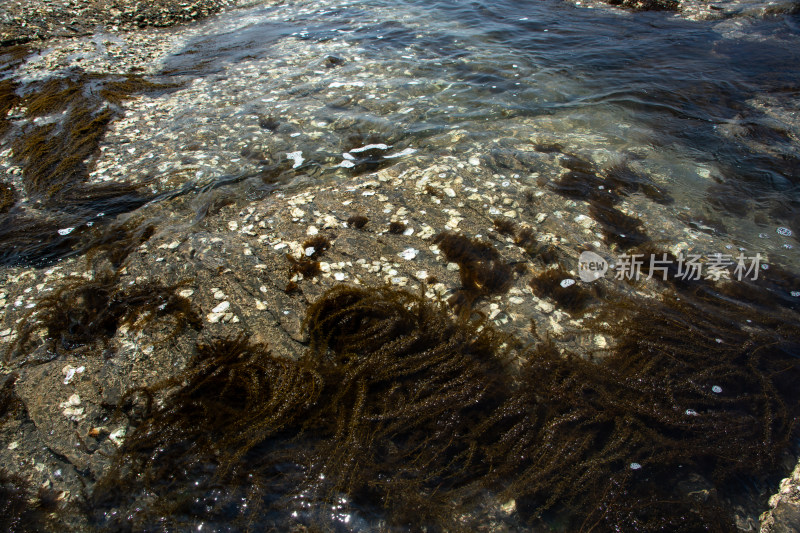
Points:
(707, 110)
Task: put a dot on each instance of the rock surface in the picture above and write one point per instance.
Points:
(22, 21)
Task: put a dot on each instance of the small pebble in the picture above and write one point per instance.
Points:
(221, 308)
(409, 253)
(117, 436)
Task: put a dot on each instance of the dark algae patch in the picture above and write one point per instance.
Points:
(10, 404)
(647, 5)
(56, 155)
(22, 509)
(308, 268)
(505, 226)
(618, 228)
(626, 180)
(482, 269)
(85, 312)
(357, 221)
(8, 99)
(398, 415)
(7, 197)
(561, 287)
(396, 228)
(372, 420)
(316, 245)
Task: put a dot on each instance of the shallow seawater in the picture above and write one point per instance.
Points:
(704, 109)
(698, 123)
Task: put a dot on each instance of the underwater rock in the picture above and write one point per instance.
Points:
(401, 414)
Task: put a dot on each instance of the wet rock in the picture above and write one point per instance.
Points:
(32, 20)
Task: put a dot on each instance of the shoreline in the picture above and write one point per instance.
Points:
(31, 21)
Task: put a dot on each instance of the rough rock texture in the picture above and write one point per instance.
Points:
(230, 245)
(701, 9)
(784, 515)
(23, 21)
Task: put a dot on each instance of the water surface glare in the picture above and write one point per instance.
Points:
(704, 108)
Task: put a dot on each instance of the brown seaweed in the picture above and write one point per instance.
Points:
(548, 148)
(8, 99)
(319, 243)
(399, 416)
(117, 242)
(561, 287)
(370, 420)
(396, 228)
(625, 180)
(357, 221)
(308, 268)
(83, 312)
(505, 226)
(35, 240)
(482, 269)
(545, 253)
(618, 228)
(10, 403)
(21, 509)
(56, 157)
(7, 197)
(647, 5)
(578, 185)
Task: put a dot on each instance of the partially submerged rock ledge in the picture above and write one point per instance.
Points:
(23, 21)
